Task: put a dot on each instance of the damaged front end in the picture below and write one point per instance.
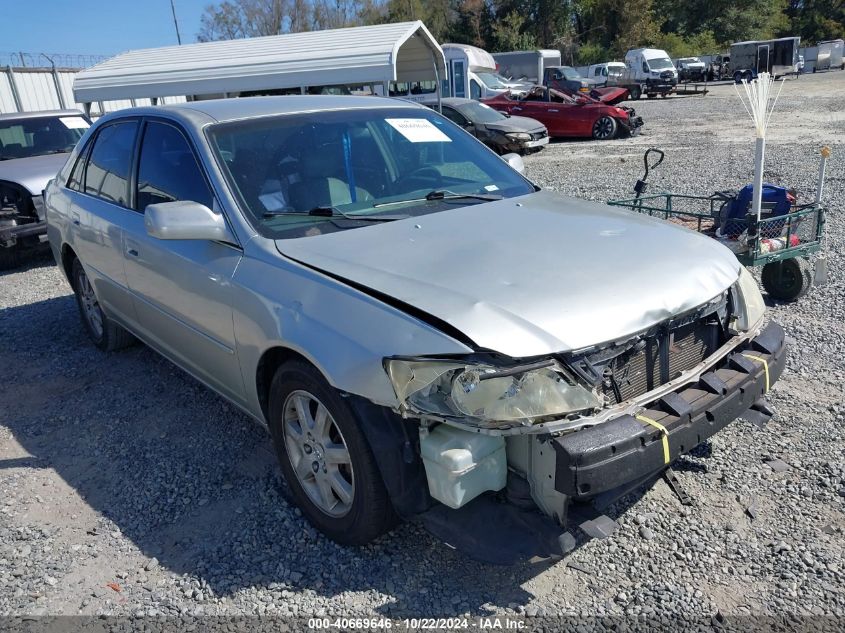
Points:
(632, 124)
(589, 424)
(22, 219)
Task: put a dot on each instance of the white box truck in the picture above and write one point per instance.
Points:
(526, 66)
(473, 74)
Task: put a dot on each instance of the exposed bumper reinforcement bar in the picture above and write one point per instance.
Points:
(629, 448)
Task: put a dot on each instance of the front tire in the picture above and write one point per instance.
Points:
(103, 332)
(325, 457)
(605, 128)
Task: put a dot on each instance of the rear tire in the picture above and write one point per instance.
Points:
(636, 93)
(737, 77)
(788, 279)
(343, 496)
(605, 128)
(103, 332)
(10, 257)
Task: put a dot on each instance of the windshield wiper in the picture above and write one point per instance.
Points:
(334, 212)
(444, 194)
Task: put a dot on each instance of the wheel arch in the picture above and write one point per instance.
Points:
(67, 257)
(270, 361)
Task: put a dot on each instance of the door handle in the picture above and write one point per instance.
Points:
(554, 110)
(75, 217)
(517, 109)
(131, 248)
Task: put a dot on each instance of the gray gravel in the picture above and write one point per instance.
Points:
(127, 488)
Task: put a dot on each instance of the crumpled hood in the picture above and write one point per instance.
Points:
(516, 124)
(533, 275)
(34, 172)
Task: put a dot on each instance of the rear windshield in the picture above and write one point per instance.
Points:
(303, 174)
(37, 136)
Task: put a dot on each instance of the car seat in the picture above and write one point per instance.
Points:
(323, 181)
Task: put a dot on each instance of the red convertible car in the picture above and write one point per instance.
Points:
(569, 115)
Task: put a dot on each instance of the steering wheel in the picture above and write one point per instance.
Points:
(422, 177)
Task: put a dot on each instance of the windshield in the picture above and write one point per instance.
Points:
(493, 80)
(305, 174)
(36, 136)
(660, 63)
(570, 73)
(615, 71)
(481, 113)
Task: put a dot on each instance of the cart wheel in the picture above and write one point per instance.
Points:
(788, 279)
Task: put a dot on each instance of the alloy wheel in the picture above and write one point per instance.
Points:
(90, 306)
(318, 454)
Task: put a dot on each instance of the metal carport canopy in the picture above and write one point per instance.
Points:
(404, 51)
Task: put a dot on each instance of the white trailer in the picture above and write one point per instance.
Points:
(829, 55)
(527, 66)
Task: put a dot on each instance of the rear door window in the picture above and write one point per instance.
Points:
(168, 170)
(107, 170)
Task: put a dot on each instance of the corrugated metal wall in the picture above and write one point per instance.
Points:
(36, 89)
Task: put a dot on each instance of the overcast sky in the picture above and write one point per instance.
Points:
(94, 27)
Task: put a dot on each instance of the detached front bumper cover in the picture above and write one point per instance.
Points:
(612, 455)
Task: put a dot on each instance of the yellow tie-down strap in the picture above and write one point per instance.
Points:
(663, 432)
(765, 367)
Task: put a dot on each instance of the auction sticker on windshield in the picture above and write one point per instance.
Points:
(418, 130)
(74, 122)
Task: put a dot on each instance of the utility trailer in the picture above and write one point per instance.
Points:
(777, 57)
(829, 56)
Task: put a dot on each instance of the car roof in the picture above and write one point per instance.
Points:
(37, 115)
(457, 102)
(221, 110)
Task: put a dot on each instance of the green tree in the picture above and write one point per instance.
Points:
(509, 34)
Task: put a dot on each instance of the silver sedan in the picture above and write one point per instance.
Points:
(419, 326)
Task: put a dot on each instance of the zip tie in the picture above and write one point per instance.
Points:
(765, 366)
(663, 431)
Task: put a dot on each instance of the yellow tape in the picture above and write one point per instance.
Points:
(765, 366)
(663, 430)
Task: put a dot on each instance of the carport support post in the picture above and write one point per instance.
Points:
(436, 81)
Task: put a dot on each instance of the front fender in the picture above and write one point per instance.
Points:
(342, 331)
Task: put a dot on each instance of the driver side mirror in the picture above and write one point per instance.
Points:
(515, 162)
(185, 220)
(581, 101)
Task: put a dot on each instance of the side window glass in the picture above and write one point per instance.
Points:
(453, 116)
(474, 89)
(645, 67)
(167, 169)
(107, 170)
(75, 180)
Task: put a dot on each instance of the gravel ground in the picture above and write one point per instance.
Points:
(127, 488)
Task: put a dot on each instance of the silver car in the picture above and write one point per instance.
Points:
(423, 330)
(33, 147)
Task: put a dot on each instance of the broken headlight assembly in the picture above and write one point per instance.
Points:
(517, 394)
(750, 304)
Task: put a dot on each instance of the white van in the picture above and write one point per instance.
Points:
(608, 73)
(652, 68)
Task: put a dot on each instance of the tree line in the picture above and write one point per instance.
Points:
(585, 31)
